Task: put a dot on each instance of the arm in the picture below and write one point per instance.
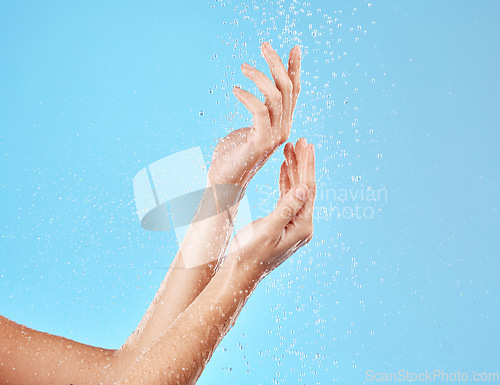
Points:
(29, 357)
(236, 159)
(182, 351)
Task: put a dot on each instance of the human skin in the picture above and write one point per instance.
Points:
(236, 159)
(180, 354)
(28, 356)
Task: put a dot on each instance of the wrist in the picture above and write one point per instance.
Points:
(224, 195)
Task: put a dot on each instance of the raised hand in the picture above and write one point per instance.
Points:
(267, 242)
(179, 354)
(239, 155)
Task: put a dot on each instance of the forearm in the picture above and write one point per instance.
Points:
(29, 356)
(182, 351)
(194, 265)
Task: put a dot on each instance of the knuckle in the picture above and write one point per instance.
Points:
(287, 211)
(261, 110)
(275, 98)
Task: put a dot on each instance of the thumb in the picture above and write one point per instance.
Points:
(288, 206)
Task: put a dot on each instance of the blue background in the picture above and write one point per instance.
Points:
(398, 96)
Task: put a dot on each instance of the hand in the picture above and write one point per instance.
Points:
(267, 242)
(239, 155)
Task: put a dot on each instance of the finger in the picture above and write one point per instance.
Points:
(304, 219)
(299, 151)
(284, 180)
(309, 165)
(291, 161)
(288, 207)
(259, 111)
(271, 94)
(294, 73)
(284, 85)
(309, 178)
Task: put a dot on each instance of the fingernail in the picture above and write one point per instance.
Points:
(266, 46)
(245, 67)
(301, 192)
(236, 90)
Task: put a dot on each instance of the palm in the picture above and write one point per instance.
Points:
(239, 155)
(267, 244)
